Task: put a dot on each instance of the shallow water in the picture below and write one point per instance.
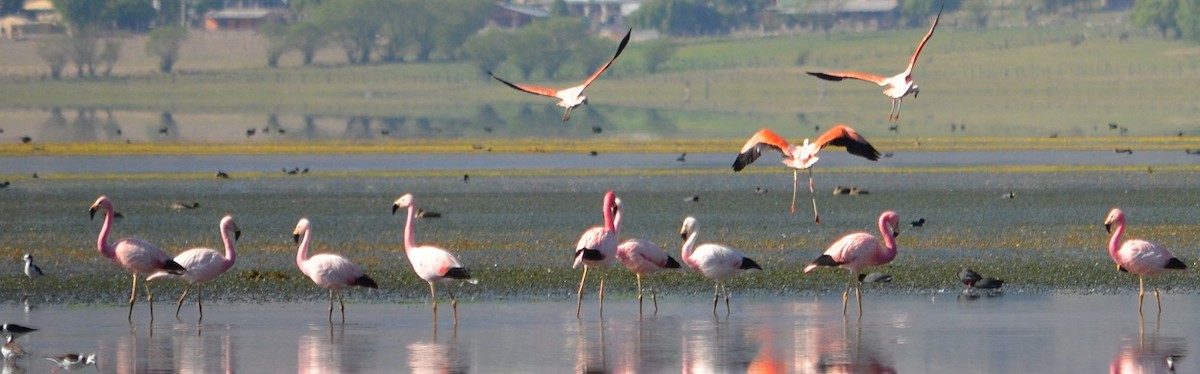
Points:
(916, 333)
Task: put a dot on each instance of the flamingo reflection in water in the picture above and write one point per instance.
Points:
(590, 355)
(838, 349)
(1158, 355)
(434, 357)
(333, 351)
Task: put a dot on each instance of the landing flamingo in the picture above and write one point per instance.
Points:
(329, 271)
(860, 250)
(204, 264)
(803, 156)
(433, 264)
(597, 247)
(1141, 257)
(714, 261)
(134, 255)
(896, 87)
(570, 97)
(642, 257)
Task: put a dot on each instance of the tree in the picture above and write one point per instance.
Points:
(1159, 14)
(457, 21)
(81, 14)
(135, 15)
(560, 35)
(592, 52)
(11, 6)
(277, 42)
(1187, 18)
(306, 37)
(678, 17)
(165, 43)
(55, 51)
(658, 52)
(83, 52)
(353, 24)
(977, 12)
(487, 50)
(110, 54)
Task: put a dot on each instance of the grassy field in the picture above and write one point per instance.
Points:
(1066, 81)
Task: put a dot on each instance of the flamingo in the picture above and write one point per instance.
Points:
(714, 261)
(204, 264)
(860, 250)
(329, 271)
(642, 257)
(571, 97)
(134, 255)
(596, 248)
(1141, 257)
(433, 264)
(803, 156)
(896, 87)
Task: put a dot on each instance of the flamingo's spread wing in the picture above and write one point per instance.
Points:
(839, 75)
(913, 61)
(844, 136)
(764, 139)
(624, 42)
(541, 91)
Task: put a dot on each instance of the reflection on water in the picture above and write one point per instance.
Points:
(330, 350)
(435, 357)
(1149, 353)
(199, 353)
(590, 350)
(839, 349)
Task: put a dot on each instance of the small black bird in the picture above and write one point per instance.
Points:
(919, 223)
(222, 175)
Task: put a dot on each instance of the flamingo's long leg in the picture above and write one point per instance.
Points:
(716, 296)
(179, 305)
(579, 293)
(795, 185)
(453, 304)
(639, 285)
(132, 296)
(331, 306)
(816, 216)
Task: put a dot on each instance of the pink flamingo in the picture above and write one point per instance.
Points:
(896, 87)
(803, 156)
(329, 271)
(597, 247)
(134, 255)
(642, 257)
(1141, 257)
(860, 250)
(714, 261)
(433, 264)
(204, 264)
(571, 97)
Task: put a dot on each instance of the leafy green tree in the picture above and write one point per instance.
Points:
(110, 54)
(658, 52)
(165, 43)
(277, 42)
(1158, 14)
(55, 51)
(83, 52)
(135, 15)
(592, 52)
(81, 14)
(678, 17)
(560, 35)
(487, 50)
(399, 32)
(1187, 18)
(306, 37)
(353, 24)
(457, 21)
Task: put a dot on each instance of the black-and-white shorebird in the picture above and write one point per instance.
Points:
(73, 361)
(12, 350)
(15, 330)
(32, 270)
(895, 87)
(571, 97)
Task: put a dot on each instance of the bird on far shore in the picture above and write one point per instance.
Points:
(918, 223)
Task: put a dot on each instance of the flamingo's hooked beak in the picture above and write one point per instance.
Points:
(92, 213)
(896, 233)
(237, 234)
(395, 207)
(296, 238)
(1108, 228)
(916, 91)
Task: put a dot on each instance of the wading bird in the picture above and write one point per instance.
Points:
(32, 271)
(803, 156)
(329, 271)
(131, 254)
(973, 281)
(642, 257)
(597, 247)
(571, 97)
(15, 330)
(11, 350)
(1141, 257)
(895, 87)
(74, 361)
(204, 264)
(714, 261)
(860, 250)
(434, 265)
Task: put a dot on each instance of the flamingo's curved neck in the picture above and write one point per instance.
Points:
(230, 252)
(102, 241)
(302, 253)
(1114, 243)
(608, 215)
(889, 242)
(617, 222)
(409, 240)
(688, 246)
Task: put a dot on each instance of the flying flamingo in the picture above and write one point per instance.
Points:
(896, 87)
(804, 156)
(329, 271)
(714, 261)
(204, 264)
(571, 97)
(597, 247)
(642, 257)
(433, 264)
(134, 255)
(860, 250)
(1141, 257)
